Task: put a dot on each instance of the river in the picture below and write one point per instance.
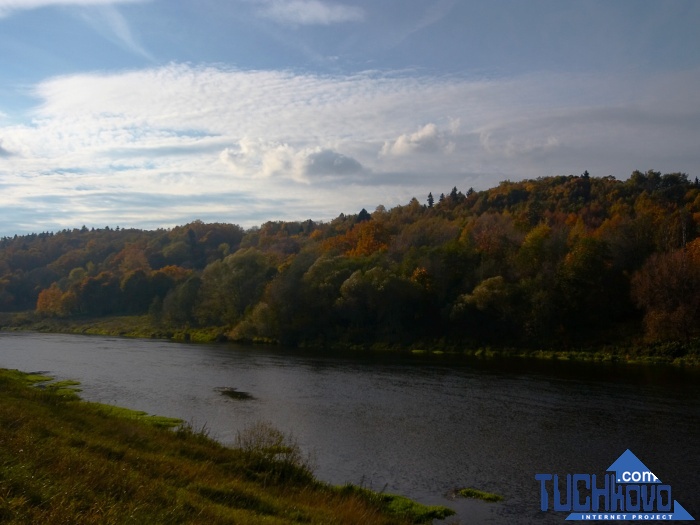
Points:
(417, 425)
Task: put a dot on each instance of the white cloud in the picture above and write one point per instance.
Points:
(309, 12)
(329, 163)
(110, 23)
(4, 152)
(182, 134)
(265, 160)
(428, 139)
(9, 6)
(103, 17)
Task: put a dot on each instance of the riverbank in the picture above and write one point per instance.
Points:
(674, 352)
(69, 461)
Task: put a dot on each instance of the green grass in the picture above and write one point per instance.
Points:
(400, 506)
(27, 378)
(127, 413)
(63, 460)
(480, 494)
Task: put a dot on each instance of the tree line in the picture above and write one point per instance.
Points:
(554, 261)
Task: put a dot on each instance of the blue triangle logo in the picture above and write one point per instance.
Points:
(679, 513)
(629, 469)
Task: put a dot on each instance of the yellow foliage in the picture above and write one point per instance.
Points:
(49, 301)
(693, 251)
(54, 302)
(368, 238)
(176, 273)
(361, 240)
(421, 277)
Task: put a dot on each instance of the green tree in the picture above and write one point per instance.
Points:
(590, 291)
(378, 305)
(179, 305)
(137, 292)
(232, 285)
(486, 315)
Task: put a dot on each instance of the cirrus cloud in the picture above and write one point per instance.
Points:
(7, 7)
(309, 12)
(247, 141)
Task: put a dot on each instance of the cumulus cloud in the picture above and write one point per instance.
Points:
(9, 6)
(329, 163)
(264, 160)
(309, 12)
(427, 139)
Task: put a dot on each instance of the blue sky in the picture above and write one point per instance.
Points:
(153, 113)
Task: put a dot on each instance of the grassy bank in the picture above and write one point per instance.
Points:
(673, 352)
(140, 326)
(63, 460)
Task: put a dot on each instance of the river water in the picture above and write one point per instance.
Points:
(417, 425)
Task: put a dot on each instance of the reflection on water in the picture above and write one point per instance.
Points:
(415, 425)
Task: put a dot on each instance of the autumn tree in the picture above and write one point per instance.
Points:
(49, 302)
(365, 238)
(667, 288)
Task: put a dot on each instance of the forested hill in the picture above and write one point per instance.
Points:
(567, 260)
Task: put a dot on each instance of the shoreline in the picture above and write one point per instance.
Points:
(673, 353)
(97, 463)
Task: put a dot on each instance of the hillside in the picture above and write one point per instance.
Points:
(556, 262)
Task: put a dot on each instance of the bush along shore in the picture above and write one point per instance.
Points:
(669, 352)
(64, 460)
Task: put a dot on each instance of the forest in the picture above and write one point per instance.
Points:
(554, 262)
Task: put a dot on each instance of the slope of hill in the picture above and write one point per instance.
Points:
(556, 262)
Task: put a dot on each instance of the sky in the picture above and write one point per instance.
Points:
(155, 113)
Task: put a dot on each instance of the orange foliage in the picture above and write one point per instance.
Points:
(53, 302)
(176, 273)
(693, 250)
(361, 240)
(49, 301)
(421, 277)
(132, 258)
(370, 238)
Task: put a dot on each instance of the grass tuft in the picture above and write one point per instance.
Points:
(400, 506)
(480, 494)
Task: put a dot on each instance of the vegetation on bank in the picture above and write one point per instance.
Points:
(558, 264)
(669, 352)
(480, 494)
(63, 460)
